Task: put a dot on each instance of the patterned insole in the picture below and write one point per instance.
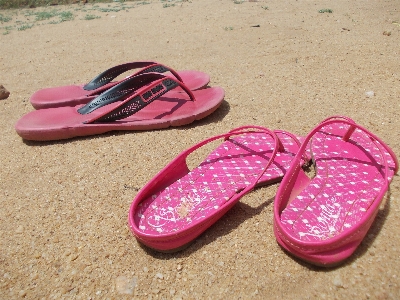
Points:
(231, 167)
(349, 177)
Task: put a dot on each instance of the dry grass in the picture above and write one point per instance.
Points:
(7, 4)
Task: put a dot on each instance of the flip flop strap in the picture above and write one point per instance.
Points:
(133, 94)
(339, 118)
(349, 131)
(107, 76)
(352, 128)
(240, 131)
(378, 142)
(281, 148)
(306, 159)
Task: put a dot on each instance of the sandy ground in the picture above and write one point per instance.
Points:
(64, 205)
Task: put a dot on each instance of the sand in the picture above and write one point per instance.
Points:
(64, 204)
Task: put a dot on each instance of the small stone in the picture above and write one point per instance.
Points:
(369, 94)
(22, 293)
(3, 93)
(337, 282)
(160, 276)
(20, 229)
(179, 267)
(172, 292)
(125, 285)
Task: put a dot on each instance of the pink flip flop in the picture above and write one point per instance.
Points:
(177, 205)
(322, 220)
(72, 95)
(145, 102)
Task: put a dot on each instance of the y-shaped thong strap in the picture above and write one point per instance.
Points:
(110, 74)
(133, 94)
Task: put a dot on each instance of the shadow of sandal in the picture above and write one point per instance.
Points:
(228, 223)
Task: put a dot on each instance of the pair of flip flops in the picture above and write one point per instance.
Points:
(320, 219)
(147, 99)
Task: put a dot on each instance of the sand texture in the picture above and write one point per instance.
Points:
(283, 65)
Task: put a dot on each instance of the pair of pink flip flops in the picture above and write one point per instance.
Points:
(147, 99)
(320, 219)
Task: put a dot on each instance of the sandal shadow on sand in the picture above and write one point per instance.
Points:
(72, 95)
(145, 102)
(323, 219)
